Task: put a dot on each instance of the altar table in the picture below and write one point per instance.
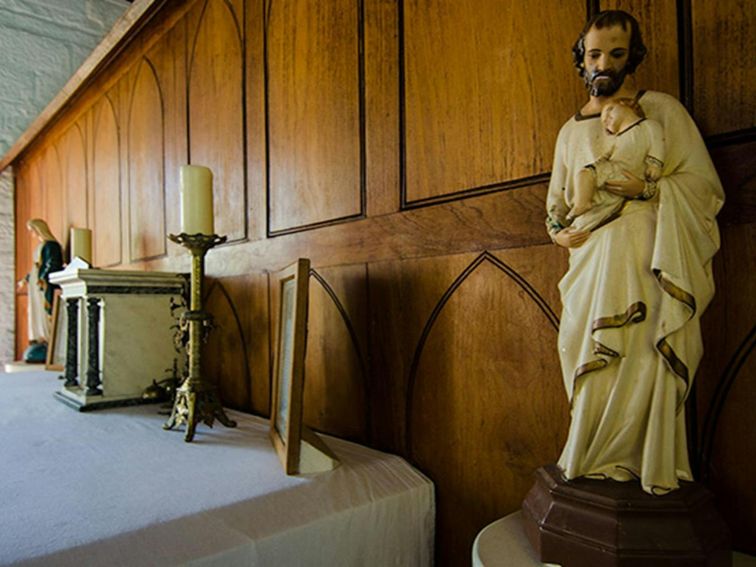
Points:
(111, 487)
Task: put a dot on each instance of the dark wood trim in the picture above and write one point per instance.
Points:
(745, 136)
(477, 191)
(685, 52)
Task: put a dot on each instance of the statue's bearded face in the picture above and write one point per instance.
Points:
(605, 60)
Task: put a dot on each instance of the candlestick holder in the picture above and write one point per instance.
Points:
(197, 399)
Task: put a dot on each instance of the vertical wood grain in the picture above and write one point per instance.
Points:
(169, 58)
(335, 392)
(236, 355)
(725, 326)
(74, 190)
(382, 106)
(483, 382)
(483, 101)
(106, 189)
(216, 112)
(146, 167)
(314, 112)
(22, 325)
(23, 257)
(724, 65)
(51, 193)
(255, 104)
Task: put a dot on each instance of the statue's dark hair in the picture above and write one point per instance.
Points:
(609, 18)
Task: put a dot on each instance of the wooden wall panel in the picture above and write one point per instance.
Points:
(74, 191)
(335, 394)
(216, 112)
(313, 114)
(146, 166)
(26, 183)
(22, 324)
(237, 353)
(22, 251)
(106, 187)
(51, 194)
(367, 112)
(726, 392)
(481, 107)
(478, 353)
(168, 57)
(724, 65)
(660, 71)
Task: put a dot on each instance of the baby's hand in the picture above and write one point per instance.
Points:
(653, 172)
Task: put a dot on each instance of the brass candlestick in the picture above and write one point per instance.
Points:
(197, 398)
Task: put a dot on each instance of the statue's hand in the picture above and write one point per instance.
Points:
(571, 237)
(628, 188)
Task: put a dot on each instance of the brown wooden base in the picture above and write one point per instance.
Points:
(605, 523)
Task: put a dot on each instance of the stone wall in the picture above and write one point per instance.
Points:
(42, 43)
(7, 261)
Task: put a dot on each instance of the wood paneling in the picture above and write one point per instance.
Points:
(22, 324)
(335, 394)
(724, 65)
(52, 195)
(725, 387)
(314, 107)
(216, 112)
(376, 139)
(106, 187)
(146, 166)
(169, 57)
(74, 190)
(240, 308)
(481, 107)
(660, 70)
(476, 345)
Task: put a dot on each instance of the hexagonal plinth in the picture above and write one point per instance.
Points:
(604, 523)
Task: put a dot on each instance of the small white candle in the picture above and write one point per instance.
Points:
(196, 200)
(81, 244)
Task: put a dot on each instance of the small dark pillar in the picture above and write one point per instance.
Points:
(93, 360)
(605, 523)
(72, 341)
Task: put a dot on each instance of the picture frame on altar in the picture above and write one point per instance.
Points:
(289, 360)
(56, 346)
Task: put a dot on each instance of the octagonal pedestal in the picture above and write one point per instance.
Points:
(604, 523)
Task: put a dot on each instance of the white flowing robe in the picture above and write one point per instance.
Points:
(38, 323)
(629, 339)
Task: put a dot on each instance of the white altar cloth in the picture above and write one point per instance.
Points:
(111, 487)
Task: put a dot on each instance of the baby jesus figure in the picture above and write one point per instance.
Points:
(638, 147)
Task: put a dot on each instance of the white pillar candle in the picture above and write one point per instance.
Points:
(196, 200)
(81, 244)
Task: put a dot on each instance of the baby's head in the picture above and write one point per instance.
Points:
(621, 113)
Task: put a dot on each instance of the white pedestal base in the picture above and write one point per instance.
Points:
(503, 544)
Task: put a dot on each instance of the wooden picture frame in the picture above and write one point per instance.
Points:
(56, 346)
(288, 368)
